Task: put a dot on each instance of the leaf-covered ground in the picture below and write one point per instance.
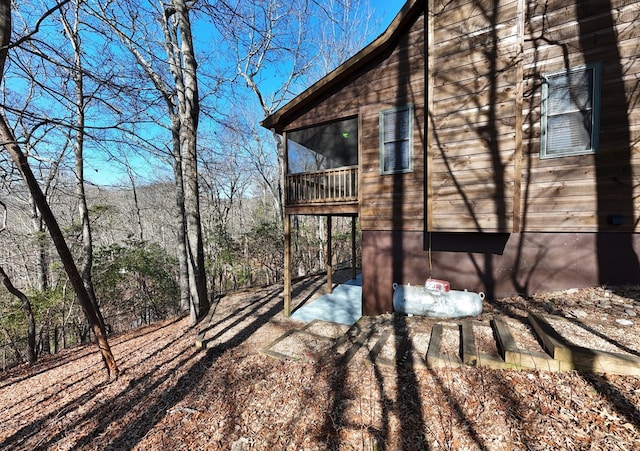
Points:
(172, 396)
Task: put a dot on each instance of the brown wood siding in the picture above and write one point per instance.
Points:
(483, 170)
(485, 65)
(397, 79)
(481, 208)
(473, 71)
(579, 193)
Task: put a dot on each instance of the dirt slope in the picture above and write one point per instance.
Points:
(171, 396)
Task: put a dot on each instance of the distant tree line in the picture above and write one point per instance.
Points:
(198, 210)
(135, 268)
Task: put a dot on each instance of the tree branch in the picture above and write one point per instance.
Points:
(38, 23)
(3, 223)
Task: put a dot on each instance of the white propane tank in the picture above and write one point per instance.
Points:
(417, 300)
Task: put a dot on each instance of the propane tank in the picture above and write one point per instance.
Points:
(418, 300)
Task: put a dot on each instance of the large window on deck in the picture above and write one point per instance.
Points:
(322, 147)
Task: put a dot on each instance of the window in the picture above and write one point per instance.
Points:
(396, 140)
(570, 110)
(324, 146)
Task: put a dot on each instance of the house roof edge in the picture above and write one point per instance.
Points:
(277, 120)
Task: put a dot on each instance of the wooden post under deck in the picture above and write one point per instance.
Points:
(354, 253)
(328, 264)
(287, 232)
(287, 265)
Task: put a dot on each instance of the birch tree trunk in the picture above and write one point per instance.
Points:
(184, 73)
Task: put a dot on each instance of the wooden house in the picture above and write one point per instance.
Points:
(490, 143)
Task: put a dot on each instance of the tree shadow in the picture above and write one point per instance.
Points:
(459, 411)
(72, 356)
(409, 401)
(604, 337)
(335, 419)
(615, 139)
(479, 193)
(613, 163)
(141, 389)
(123, 403)
(154, 413)
(18, 438)
(616, 398)
(313, 285)
(406, 404)
(239, 316)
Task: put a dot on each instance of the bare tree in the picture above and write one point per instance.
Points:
(26, 303)
(265, 35)
(175, 78)
(136, 204)
(271, 39)
(346, 26)
(71, 30)
(28, 314)
(182, 63)
(20, 161)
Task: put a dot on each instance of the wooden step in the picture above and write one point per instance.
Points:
(518, 353)
(488, 345)
(479, 351)
(571, 356)
(438, 357)
(543, 342)
(402, 348)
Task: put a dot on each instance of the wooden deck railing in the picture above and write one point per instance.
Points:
(330, 186)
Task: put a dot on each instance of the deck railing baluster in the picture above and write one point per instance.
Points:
(330, 186)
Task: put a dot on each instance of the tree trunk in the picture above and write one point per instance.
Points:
(28, 314)
(42, 257)
(181, 239)
(281, 158)
(71, 31)
(42, 265)
(189, 113)
(66, 258)
(45, 336)
(136, 204)
(20, 160)
(11, 344)
(175, 99)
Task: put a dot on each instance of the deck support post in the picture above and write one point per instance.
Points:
(287, 265)
(329, 258)
(354, 252)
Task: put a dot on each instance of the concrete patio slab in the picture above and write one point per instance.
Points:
(343, 305)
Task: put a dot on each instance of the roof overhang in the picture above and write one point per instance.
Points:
(282, 117)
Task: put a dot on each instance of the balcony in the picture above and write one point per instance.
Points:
(331, 191)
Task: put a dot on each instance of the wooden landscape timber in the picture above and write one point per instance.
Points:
(450, 345)
(572, 356)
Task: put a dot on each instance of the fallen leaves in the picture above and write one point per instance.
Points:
(232, 397)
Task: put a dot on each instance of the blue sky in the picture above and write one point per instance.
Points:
(387, 10)
(110, 173)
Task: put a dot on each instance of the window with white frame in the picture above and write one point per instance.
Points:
(396, 140)
(570, 112)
